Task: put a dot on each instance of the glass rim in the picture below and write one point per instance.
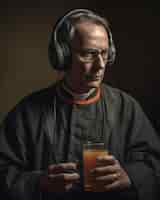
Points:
(93, 144)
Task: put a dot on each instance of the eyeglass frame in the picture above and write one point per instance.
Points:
(94, 53)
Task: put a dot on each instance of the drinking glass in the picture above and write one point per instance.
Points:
(90, 153)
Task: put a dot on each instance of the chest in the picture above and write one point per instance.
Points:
(75, 125)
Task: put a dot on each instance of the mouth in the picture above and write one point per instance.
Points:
(96, 77)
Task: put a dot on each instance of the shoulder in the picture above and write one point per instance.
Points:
(34, 102)
(122, 107)
(119, 97)
(39, 97)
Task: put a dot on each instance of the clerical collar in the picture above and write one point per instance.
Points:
(77, 96)
(69, 99)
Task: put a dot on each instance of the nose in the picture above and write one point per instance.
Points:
(99, 61)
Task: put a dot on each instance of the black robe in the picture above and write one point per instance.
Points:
(45, 129)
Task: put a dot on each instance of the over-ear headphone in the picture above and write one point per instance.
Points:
(59, 52)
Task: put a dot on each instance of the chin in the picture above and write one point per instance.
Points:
(94, 84)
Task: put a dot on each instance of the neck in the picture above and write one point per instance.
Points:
(77, 93)
(77, 89)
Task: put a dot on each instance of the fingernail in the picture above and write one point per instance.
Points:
(99, 158)
(92, 171)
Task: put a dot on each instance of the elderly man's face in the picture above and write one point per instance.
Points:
(89, 56)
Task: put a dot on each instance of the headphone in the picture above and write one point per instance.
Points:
(59, 53)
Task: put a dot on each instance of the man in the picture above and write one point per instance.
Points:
(41, 139)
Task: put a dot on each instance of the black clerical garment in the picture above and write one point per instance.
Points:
(48, 127)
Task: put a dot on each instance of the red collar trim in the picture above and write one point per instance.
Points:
(81, 102)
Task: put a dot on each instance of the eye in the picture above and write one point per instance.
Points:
(88, 54)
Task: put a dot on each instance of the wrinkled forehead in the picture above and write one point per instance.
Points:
(90, 35)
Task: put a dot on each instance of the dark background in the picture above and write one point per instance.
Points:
(24, 35)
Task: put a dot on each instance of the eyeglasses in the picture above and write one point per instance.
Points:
(91, 55)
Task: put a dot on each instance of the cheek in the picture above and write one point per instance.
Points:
(87, 67)
(79, 67)
(82, 69)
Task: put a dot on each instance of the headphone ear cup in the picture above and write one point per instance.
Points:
(111, 54)
(63, 56)
(112, 49)
(67, 56)
(59, 54)
(59, 48)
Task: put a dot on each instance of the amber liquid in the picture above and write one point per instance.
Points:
(89, 160)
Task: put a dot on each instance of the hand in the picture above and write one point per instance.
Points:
(109, 175)
(60, 178)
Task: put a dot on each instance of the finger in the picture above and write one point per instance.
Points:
(111, 169)
(67, 187)
(64, 177)
(107, 179)
(114, 186)
(60, 168)
(106, 160)
(71, 177)
(69, 165)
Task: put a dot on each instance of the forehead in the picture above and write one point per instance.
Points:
(90, 35)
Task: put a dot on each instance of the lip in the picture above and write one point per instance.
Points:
(96, 77)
